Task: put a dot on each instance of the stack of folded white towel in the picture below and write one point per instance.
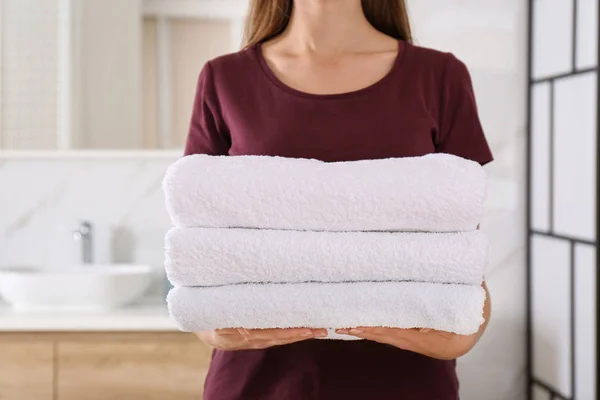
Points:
(266, 242)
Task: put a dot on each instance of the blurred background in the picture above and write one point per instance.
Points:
(95, 101)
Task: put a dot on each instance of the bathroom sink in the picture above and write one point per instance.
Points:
(85, 287)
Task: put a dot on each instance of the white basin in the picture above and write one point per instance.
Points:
(85, 287)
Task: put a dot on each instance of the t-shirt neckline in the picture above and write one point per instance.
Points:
(402, 48)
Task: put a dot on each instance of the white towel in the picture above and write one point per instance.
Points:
(445, 307)
(434, 193)
(214, 256)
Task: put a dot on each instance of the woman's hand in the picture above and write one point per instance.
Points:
(245, 339)
(435, 344)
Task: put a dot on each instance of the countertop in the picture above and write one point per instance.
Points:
(146, 315)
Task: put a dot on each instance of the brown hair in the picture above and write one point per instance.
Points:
(268, 18)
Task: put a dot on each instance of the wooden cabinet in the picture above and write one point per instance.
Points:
(26, 370)
(143, 369)
(90, 366)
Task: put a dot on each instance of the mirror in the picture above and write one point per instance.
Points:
(107, 74)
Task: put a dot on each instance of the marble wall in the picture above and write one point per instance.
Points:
(43, 199)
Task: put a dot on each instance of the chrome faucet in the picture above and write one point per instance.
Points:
(84, 235)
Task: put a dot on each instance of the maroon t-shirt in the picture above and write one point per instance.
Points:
(425, 104)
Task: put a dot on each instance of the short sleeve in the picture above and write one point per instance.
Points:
(459, 128)
(208, 133)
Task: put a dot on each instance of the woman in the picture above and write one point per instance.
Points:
(335, 80)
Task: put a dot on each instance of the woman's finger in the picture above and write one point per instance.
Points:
(258, 343)
(261, 334)
(240, 338)
(243, 331)
(361, 333)
(393, 336)
(228, 331)
(383, 331)
(364, 330)
(283, 334)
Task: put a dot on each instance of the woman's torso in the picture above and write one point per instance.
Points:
(424, 104)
